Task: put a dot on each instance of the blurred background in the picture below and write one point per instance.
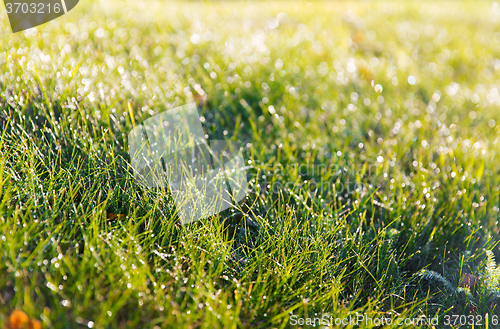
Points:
(392, 104)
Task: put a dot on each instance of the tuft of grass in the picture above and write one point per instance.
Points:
(371, 130)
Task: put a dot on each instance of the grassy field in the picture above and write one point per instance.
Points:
(372, 132)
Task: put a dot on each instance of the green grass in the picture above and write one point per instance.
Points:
(366, 194)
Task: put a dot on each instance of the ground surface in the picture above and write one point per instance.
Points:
(371, 128)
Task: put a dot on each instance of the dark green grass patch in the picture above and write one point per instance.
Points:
(371, 132)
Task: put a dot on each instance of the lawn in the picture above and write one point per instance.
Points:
(371, 132)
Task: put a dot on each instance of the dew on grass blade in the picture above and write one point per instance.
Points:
(273, 23)
(195, 39)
